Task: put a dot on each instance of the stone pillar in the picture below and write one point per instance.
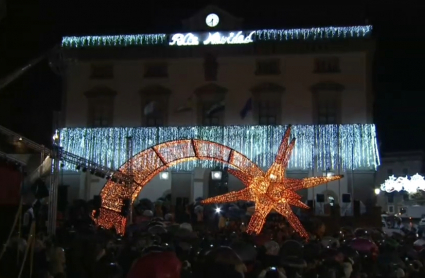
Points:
(197, 185)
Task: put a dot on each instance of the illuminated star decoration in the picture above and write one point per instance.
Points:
(272, 190)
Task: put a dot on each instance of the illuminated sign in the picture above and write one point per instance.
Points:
(412, 185)
(216, 38)
(184, 39)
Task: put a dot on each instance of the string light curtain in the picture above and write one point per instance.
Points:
(356, 144)
(318, 33)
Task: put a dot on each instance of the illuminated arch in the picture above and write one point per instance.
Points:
(148, 163)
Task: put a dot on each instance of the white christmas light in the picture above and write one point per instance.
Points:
(322, 33)
(412, 185)
(320, 147)
(216, 175)
(164, 176)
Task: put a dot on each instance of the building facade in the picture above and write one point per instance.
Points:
(216, 79)
(398, 164)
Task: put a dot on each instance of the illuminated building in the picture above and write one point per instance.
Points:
(236, 88)
(400, 180)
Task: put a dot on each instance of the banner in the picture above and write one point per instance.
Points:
(10, 185)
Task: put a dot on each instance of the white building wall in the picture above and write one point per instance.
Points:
(237, 74)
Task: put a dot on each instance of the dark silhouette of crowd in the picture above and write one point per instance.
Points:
(194, 241)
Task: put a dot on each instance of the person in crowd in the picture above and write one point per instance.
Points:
(55, 258)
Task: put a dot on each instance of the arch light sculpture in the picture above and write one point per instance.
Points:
(269, 189)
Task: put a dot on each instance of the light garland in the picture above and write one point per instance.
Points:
(319, 147)
(114, 41)
(110, 219)
(411, 186)
(272, 190)
(321, 33)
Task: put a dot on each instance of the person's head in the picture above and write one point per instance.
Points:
(224, 256)
(156, 265)
(272, 248)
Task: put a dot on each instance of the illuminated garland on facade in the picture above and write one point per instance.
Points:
(325, 33)
(322, 33)
(351, 146)
(412, 185)
(114, 41)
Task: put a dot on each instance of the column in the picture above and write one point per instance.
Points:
(197, 185)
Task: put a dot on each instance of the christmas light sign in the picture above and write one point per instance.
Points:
(217, 38)
(220, 38)
(412, 185)
(231, 38)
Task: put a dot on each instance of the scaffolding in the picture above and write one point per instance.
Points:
(59, 156)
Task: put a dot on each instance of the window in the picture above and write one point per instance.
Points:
(390, 172)
(210, 104)
(391, 208)
(100, 107)
(327, 103)
(156, 71)
(211, 119)
(155, 118)
(405, 171)
(390, 197)
(268, 67)
(326, 65)
(267, 113)
(102, 71)
(101, 113)
(267, 103)
(327, 112)
(210, 67)
(154, 105)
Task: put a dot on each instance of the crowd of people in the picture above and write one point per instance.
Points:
(205, 241)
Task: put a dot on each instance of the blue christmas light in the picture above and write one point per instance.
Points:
(322, 33)
(318, 147)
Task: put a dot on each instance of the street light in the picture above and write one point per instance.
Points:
(216, 175)
(164, 176)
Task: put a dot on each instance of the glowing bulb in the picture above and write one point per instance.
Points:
(377, 191)
(216, 175)
(217, 210)
(164, 175)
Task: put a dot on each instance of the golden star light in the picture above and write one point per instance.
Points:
(271, 190)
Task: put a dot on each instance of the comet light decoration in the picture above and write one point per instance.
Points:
(272, 190)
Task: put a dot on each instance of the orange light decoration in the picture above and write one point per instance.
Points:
(150, 162)
(272, 190)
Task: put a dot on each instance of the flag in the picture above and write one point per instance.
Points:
(246, 109)
(216, 108)
(188, 106)
(149, 108)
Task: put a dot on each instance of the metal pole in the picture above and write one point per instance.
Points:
(41, 163)
(53, 194)
(352, 174)
(130, 173)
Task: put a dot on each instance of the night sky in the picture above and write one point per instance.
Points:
(32, 27)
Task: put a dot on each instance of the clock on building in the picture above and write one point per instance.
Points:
(212, 20)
